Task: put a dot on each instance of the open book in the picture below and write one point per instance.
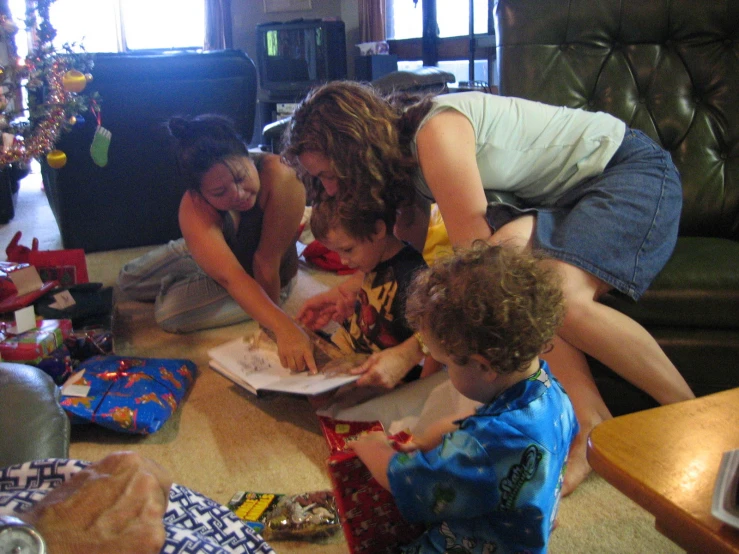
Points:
(253, 363)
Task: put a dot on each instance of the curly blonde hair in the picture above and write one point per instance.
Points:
(364, 135)
(494, 301)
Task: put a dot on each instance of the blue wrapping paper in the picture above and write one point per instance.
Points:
(130, 395)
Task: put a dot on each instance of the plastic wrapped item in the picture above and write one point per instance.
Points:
(308, 516)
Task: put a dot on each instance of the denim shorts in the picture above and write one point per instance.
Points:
(621, 226)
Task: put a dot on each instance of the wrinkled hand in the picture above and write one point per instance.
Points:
(295, 349)
(332, 305)
(114, 505)
(384, 369)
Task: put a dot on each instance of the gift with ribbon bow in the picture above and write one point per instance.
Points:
(127, 394)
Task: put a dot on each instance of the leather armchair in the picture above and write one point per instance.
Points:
(33, 425)
(133, 200)
(671, 69)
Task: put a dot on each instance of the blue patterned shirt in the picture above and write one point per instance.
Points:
(494, 484)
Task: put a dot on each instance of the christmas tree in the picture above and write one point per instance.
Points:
(53, 80)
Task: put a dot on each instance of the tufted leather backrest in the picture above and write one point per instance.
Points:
(667, 67)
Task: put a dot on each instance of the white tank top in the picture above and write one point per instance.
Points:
(534, 150)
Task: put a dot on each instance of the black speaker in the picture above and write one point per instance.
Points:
(369, 68)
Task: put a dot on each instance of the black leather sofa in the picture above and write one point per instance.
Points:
(133, 200)
(671, 69)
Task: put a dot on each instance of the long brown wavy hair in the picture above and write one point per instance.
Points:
(365, 136)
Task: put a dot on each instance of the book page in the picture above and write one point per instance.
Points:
(255, 365)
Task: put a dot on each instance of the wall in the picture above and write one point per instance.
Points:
(247, 14)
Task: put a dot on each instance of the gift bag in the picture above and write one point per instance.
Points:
(68, 267)
(127, 394)
(369, 516)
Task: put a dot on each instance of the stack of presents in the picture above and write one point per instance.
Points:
(53, 318)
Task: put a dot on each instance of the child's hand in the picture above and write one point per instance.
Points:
(368, 440)
(387, 368)
(408, 446)
(383, 369)
(318, 311)
(375, 451)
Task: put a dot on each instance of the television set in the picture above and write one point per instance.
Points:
(294, 56)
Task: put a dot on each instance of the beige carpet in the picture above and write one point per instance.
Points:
(224, 439)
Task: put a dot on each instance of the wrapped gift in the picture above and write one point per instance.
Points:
(338, 433)
(369, 516)
(32, 346)
(57, 365)
(126, 394)
(77, 348)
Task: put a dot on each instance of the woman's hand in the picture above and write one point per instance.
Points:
(387, 368)
(333, 305)
(295, 349)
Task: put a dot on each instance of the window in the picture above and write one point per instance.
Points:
(452, 17)
(121, 25)
(405, 21)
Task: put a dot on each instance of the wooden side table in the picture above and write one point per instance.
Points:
(666, 460)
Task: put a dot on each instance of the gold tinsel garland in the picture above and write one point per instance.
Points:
(44, 70)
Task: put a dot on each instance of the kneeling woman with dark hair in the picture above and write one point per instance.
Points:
(237, 260)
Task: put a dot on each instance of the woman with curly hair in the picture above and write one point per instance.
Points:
(601, 200)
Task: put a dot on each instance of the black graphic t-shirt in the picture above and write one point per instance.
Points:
(379, 312)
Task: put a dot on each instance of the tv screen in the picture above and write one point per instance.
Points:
(294, 56)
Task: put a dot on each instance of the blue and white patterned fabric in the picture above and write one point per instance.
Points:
(494, 484)
(194, 523)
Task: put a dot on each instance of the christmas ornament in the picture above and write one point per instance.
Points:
(101, 140)
(74, 81)
(53, 77)
(100, 145)
(56, 159)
